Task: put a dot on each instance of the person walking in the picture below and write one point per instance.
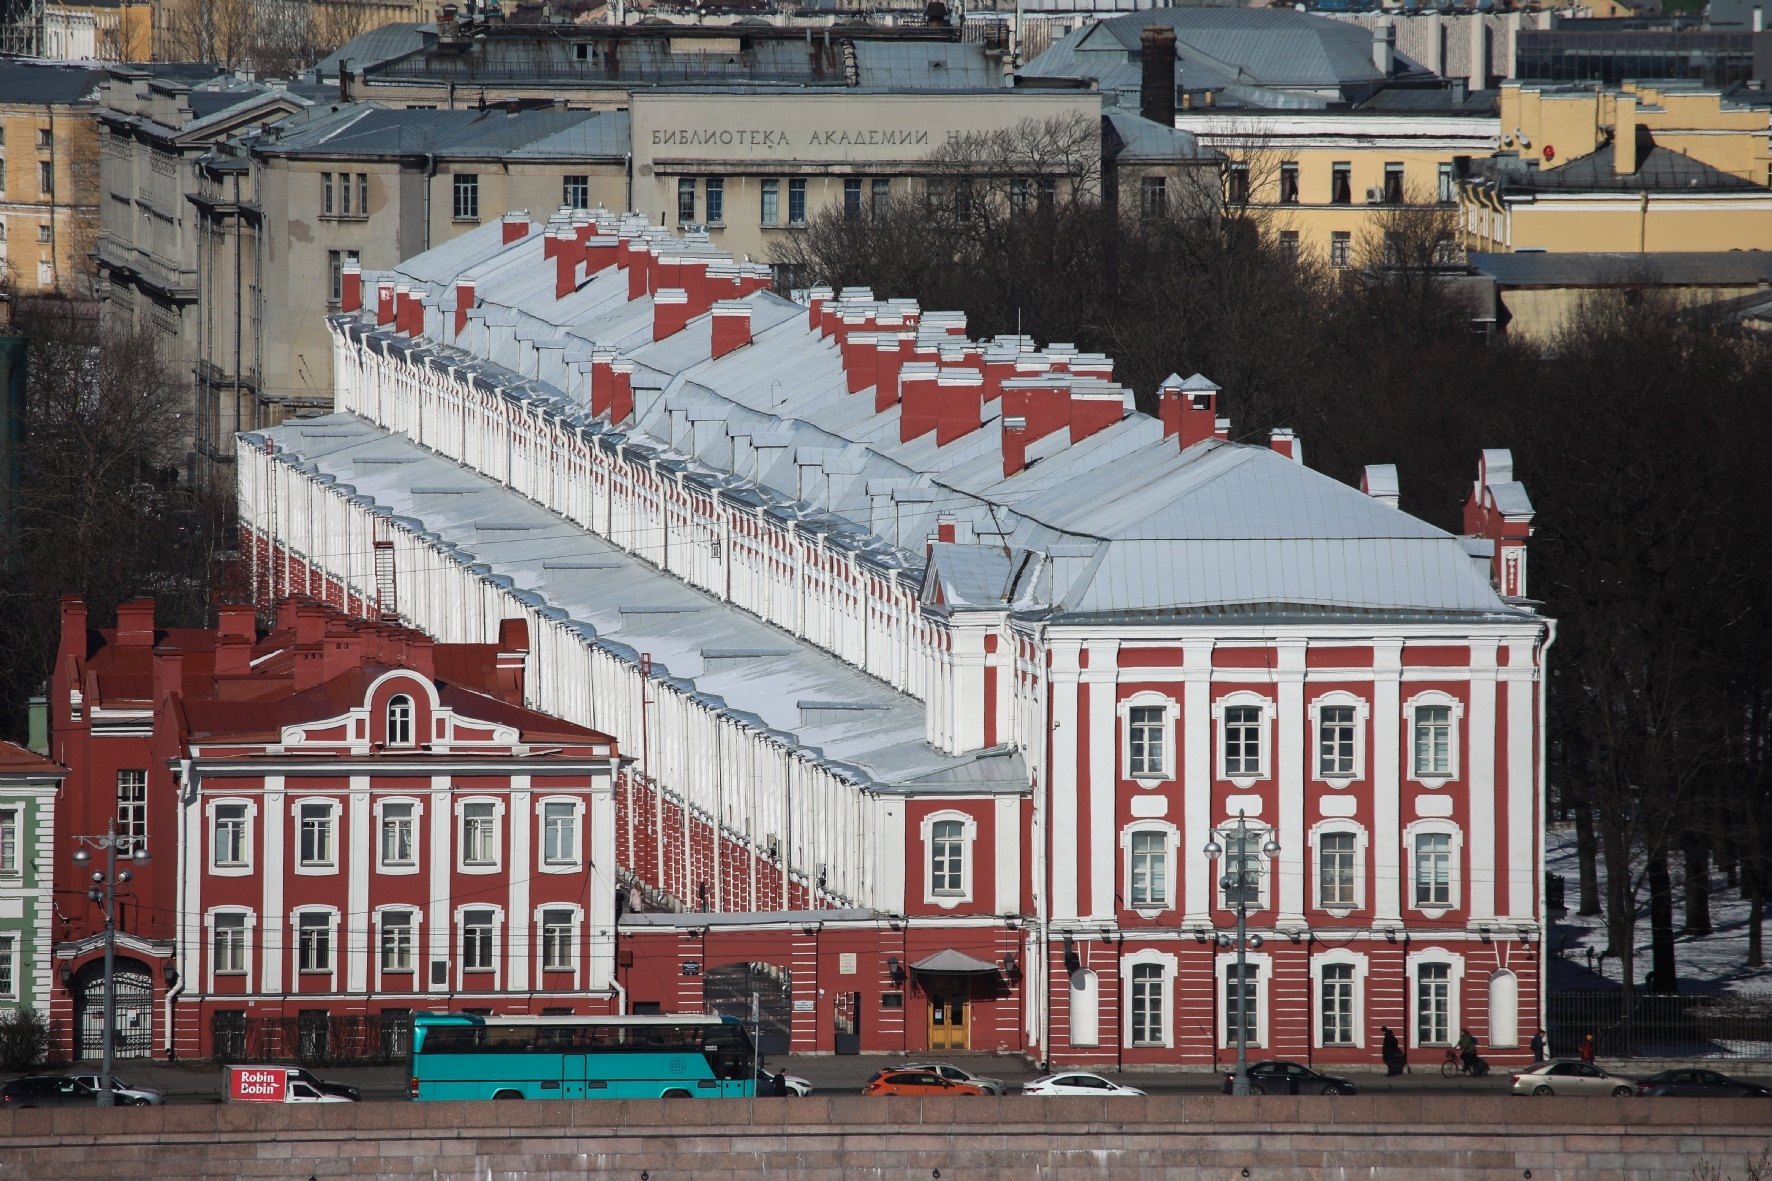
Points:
(1392, 1052)
(779, 1087)
(1587, 1048)
(1538, 1047)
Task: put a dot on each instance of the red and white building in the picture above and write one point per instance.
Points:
(346, 821)
(938, 664)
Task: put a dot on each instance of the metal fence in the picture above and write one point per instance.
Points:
(313, 1038)
(1684, 1026)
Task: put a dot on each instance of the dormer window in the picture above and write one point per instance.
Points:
(400, 720)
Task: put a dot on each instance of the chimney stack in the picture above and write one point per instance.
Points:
(602, 381)
(1379, 481)
(1624, 135)
(1095, 411)
(352, 282)
(816, 298)
(959, 398)
(566, 259)
(384, 304)
(918, 390)
(1188, 408)
(1156, 91)
(732, 326)
(515, 227)
(464, 303)
(621, 396)
(1015, 444)
(891, 351)
(135, 624)
(670, 312)
(1283, 440)
(1384, 48)
(1500, 510)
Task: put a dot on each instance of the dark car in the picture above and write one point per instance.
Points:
(325, 1088)
(1289, 1078)
(1699, 1084)
(47, 1090)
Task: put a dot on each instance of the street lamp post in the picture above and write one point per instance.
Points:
(105, 892)
(1240, 885)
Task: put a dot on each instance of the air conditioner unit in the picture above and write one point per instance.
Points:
(1375, 195)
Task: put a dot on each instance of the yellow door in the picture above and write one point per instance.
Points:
(948, 1013)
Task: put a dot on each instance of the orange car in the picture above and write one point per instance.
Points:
(916, 1082)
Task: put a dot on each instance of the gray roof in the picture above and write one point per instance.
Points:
(925, 65)
(1730, 268)
(368, 50)
(367, 129)
(1133, 138)
(1658, 169)
(31, 82)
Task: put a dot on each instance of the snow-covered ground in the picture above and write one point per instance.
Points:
(1718, 959)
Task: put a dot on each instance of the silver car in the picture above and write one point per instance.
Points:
(991, 1086)
(1570, 1078)
(124, 1094)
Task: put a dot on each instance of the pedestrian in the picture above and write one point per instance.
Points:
(1587, 1048)
(1538, 1047)
(1392, 1052)
(779, 1088)
(1467, 1051)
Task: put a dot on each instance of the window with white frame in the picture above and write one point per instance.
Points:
(477, 930)
(399, 849)
(1243, 867)
(1432, 719)
(1336, 856)
(399, 929)
(559, 832)
(1433, 869)
(479, 834)
(1433, 1004)
(8, 967)
(1243, 754)
(1335, 741)
(1337, 992)
(229, 957)
(556, 940)
(1241, 1002)
(1147, 1005)
(9, 841)
(947, 857)
(316, 836)
(229, 840)
(400, 720)
(314, 941)
(132, 808)
(1145, 748)
(1149, 868)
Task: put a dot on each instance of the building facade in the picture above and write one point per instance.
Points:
(29, 784)
(346, 822)
(49, 179)
(939, 665)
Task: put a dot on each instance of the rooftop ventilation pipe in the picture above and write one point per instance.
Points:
(1379, 481)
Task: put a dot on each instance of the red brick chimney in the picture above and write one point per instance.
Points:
(918, 390)
(73, 627)
(351, 298)
(816, 299)
(235, 635)
(1015, 444)
(1499, 509)
(1287, 443)
(550, 242)
(384, 304)
(891, 351)
(670, 311)
(464, 303)
(516, 227)
(135, 624)
(732, 326)
(1044, 403)
(959, 398)
(402, 309)
(602, 381)
(1095, 410)
(1188, 408)
(639, 269)
(621, 398)
(860, 360)
(169, 674)
(601, 253)
(566, 259)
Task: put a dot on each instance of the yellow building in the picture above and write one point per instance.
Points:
(1633, 169)
(48, 177)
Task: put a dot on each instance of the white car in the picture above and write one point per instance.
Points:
(993, 1086)
(1076, 1084)
(1570, 1078)
(126, 1095)
(798, 1088)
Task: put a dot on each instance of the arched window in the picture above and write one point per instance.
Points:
(400, 720)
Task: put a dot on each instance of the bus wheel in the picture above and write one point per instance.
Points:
(675, 1093)
(508, 1095)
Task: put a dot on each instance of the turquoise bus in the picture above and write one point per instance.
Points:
(462, 1056)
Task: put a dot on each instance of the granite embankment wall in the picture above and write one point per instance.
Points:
(1175, 1138)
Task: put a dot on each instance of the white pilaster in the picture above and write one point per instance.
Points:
(1290, 768)
(441, 857)
(1062, 774)
(1102, 676)
(1523, 820)
(519, 924)
(272, 867)
(1008, 826)
(1480, 864)
(1387, 783)
(361, 847)
(1196, 775)
(600, 943)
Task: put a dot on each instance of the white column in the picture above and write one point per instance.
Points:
(361, 847)
(518, 922)
(441, 855)
(1102, 676)
(600, 943)
(1387, 784)
(891, 854)
(1008, 826)
(1480, 734)
(1196, 782)
(1290, 765)
(1062, 775)
(963, 703)
(271, 864)
(1523, 821)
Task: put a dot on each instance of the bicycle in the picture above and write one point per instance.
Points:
(1454, 1066)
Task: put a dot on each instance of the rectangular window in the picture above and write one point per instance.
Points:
(1237, 186)
(852, 199)
(1335, 741)
(132, 807)
(1288, 184)
(1433, 869)
(1338, 1004)
(1341, 184)
(362, 194)
(316, 834)
(1335, 869)
(556, 940)
(1242, 740)
(685, 200)
(882, 200)
(1018, 195)
(575, 191)
(796, 202)
(396, 940)
(1393, 184)
(8, 969)
(559, 825)
(1153, 196)
(479, 834)
(230, 943)
(1147, 1004)
(45, 137)
(1433, 740)
(326, 194)
(1239, 1003)
(467, 196)
(1341, 248)
(9, 841)
(1433, 1005)
(1150, 869)
(46, 178)
(344, 194)
(1446, 192)
(771, 212)
(716, 187)
(314, 939)
(1145, 753)
(230, 834)
(336, 260)
(1289, 247)
(476, 940)
(947, 855)
(396, 834)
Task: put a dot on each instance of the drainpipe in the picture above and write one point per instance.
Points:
(628, 167)
(1550, 637)
(430, 174)
(181, 778)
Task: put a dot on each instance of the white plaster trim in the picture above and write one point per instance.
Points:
(1435, 780)
(1172, 860)
(326, 869)
(1149, 699)
(1362, 842)
(1357, 961)
(496, 865)
(1165, 960)
(242, 869)
(398, 869)
(1362, 716)
(1455, 872)
(1268, 708)
(577, 863)
(969, 844)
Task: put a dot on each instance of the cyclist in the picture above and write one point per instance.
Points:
(1467, 1052)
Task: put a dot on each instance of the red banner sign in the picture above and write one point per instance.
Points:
(258, 1085)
